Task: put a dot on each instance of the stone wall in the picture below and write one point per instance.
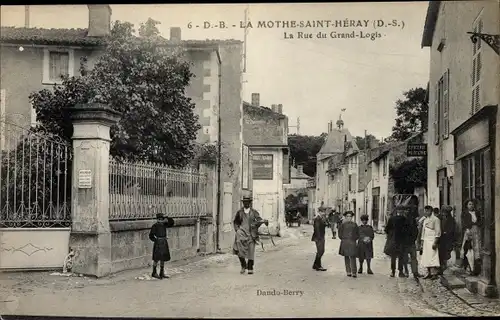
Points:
(132, 249)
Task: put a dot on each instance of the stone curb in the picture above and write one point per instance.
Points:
(458, 307)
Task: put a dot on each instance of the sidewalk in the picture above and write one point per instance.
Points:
(451, 296)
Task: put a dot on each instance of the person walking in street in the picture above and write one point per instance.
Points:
(448, 239)
(318, 237)
(365, 244)
(334, 219)
(246, 224)
(431, 231)
(349, 235)
(397, 230)
(161, 251)
(471, 223)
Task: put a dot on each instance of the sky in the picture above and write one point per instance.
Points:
(314, 78)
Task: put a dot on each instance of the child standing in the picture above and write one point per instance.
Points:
(349, 234)
(365, 244)
(161, 252)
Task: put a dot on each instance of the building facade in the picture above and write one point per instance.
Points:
(332, 186)
(463, 144)
(265, 132)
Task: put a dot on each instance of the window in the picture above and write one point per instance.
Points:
(441, 108)
(384, 163)
(445, 105)
(350, 182)
(57, 63)
(473, 177)
(477, 65)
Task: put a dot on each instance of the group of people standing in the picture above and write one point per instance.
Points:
(435, 236)
(356, 242)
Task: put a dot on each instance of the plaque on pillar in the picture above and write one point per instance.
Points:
(85, 179)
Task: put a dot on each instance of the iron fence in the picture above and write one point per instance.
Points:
(35, 178)
(141, 190)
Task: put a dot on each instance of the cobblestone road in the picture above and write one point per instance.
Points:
(214, 288)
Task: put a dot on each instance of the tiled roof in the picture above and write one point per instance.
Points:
(247, 107)
(48, 36)
(79, 37)
(334, 142)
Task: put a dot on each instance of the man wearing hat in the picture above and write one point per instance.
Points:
(161, 252)
(246, 224)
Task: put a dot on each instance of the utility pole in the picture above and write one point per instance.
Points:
(297, 126)
(245, 41)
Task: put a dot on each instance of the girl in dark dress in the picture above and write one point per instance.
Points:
(365, 244)
(161, 252)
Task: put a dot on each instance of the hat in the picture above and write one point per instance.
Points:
(349, 213)
(160, 216)
(246, 198)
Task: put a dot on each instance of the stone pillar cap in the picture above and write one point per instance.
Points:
(94, 112)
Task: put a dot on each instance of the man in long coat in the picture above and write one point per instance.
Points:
(246, 224)
(398, 238)
(161, 252)
(318, 237)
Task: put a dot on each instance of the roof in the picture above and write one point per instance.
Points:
(296, 174)
(264, 111)
(334, 143)
(18, 35)
(430, 23)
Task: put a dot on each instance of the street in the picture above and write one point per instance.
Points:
(214, 288)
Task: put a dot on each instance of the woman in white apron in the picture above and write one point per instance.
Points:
(431, 231)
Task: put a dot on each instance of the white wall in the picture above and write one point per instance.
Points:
(268, 195)
(382, 181)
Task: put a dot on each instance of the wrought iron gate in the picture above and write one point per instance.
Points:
(35, 197)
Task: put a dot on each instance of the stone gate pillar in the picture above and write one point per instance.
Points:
(90, 233)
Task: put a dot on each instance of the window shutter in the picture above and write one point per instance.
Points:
(479, 30)
(446, 104)
(436, 115)
(473, 74)
(475, 45)
(476, 99)
(478, 66)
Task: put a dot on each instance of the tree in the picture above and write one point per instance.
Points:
(144, 79)
(411, 114)
(303, 150)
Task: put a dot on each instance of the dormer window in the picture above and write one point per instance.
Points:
(56, 64)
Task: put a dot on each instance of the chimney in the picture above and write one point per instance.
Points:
(274, 108)
(330, 124)
(99, 20)
(175, 34)
(300, 168)
(26, 16)
(280, 108)
(255, 99)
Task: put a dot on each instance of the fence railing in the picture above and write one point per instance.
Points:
(141, 190)
(35, 178)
